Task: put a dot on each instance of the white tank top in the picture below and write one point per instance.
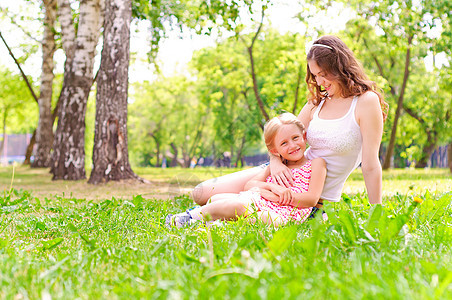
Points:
(339, 143)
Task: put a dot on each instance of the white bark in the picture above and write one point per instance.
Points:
(87, 38)
(67, 29)
(44, 134)
(69, 147)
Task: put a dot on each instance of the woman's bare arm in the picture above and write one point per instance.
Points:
(306, 113)
(370, 120)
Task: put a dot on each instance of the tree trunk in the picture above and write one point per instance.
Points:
(3, 144)
(110, 153)
(390, 149)
(68, 38)
(449, 156)
(297, 90)
(30, 147)
(44, 131)
(432, 138)
(68, 160)
(253, 71)
(185, 158)
(174, 159)
(67, 30)
(157, 145)
(427, 152)
(239, 152)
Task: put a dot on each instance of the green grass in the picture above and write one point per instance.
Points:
(69, 245)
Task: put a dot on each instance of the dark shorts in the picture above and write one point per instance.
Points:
(314, 211)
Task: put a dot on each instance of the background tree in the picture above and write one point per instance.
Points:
(68, 160)
(110, 154)
(44, 131)
(168, 121)
(250, 48)
(219, 94)
(28, 22)
(429, 104)
(151, 104)
(225, 86)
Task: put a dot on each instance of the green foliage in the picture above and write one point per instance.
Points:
(17, 107)
(166, 115)
(224, 86)
(429, 100)
(200, 16)
(214, 110)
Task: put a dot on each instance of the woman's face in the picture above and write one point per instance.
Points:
(331, 86)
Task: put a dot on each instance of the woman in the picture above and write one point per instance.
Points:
(344, 119)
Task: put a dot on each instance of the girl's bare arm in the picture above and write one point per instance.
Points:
(259, 184)
(312, 196)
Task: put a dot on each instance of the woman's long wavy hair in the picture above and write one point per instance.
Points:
(339, 64)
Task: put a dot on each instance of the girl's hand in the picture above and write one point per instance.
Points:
(280, 173)
(285, 194)
(286, 197)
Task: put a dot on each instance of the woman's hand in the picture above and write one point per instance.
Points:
(281, 174)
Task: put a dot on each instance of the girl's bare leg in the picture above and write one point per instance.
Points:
(231, 183)
(226, 209)
(222, 196)
(270, 218)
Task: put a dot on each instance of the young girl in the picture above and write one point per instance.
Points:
(272, 203)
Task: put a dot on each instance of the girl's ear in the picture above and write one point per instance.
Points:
(274, 152)
(304, 135)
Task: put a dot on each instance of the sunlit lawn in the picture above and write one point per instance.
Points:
(170, 182)
(71, 240)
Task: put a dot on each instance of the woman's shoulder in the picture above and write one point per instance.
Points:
(368, 102)
(369, 97)
(368, 108)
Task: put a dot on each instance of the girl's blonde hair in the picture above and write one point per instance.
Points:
(272, 127)
(339, 63)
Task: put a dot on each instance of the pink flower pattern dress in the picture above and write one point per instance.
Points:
(301, 177)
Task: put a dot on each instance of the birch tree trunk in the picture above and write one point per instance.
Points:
(68, 160)
(67, 30)
(44, 132)
(110, 153)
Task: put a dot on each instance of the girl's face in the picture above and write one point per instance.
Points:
(331, 86)
(289, 143)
